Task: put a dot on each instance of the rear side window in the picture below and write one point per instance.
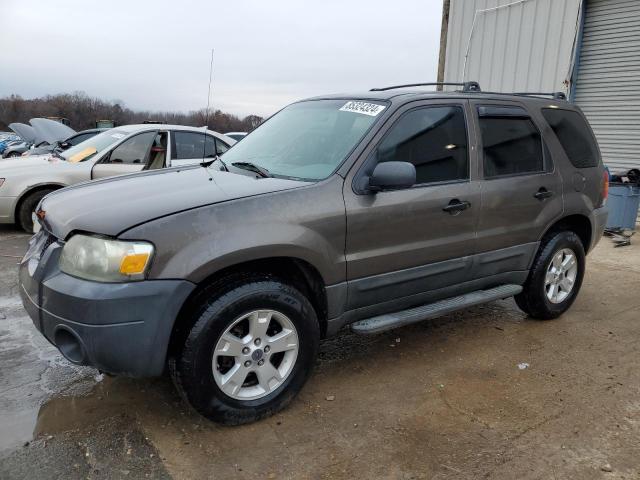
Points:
(511, 143)
(434, 139)
(574, 135)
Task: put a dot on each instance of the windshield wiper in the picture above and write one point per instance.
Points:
(252, 167)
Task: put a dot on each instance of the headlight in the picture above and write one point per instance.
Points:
(104, 260)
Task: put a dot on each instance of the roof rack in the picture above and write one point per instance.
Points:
(466, 86)
(554, 95)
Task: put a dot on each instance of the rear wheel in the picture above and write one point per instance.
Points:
(13, 154)
(555, 278)
(250, 351)
(27, 208)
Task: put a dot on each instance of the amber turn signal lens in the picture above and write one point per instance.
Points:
(134, 263)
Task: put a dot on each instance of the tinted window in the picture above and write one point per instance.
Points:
(134, 150)
(511, 145)
(434, 139)
(574, 135)
(80, 138)
(189, 145)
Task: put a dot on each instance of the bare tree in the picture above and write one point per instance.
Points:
(83, 111)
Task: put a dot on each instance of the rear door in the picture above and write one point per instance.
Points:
(188, 148)
(521, 189)
(402, 243)
(130, 156)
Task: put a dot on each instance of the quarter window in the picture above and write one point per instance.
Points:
(434, 139)
(574, 135)
(510, 142)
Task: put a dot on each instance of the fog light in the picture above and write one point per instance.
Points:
(69, 345)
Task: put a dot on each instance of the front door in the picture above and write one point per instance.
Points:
(130, 156)
(521, 191)
(406, 242)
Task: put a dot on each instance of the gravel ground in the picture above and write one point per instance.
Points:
(483, 393)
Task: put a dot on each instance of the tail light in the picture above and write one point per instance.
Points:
(605, 188)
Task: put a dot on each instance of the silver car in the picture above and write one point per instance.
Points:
(118, 151)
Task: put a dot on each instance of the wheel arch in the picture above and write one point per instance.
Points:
(297, 272)
(577, 223)
(32, 189)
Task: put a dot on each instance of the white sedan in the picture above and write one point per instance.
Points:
(121, 150)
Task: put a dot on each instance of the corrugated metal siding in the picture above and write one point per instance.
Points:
(608, 81)
(524, 47)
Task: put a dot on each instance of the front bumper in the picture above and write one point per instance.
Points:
(7, 209)
(120, 328)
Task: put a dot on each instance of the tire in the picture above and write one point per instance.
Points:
(537, 298)
(199, 370)
(28, 206)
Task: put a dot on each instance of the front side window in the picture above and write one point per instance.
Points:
(574, 136)
(132, 151)
(434, 139)
(189, 145)
(511, 143)
(307, 140)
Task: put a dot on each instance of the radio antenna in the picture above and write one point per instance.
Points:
(206, 122)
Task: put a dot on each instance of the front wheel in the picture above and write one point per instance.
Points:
(27, 208)
(555, 277)
(250, 351)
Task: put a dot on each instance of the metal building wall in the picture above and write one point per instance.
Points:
(607, 86)
(524, 47)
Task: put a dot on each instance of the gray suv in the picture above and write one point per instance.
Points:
(372, 210)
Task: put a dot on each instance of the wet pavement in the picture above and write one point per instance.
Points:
(483, 393)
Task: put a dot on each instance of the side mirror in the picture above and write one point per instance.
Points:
(392, 176)
(64, 145)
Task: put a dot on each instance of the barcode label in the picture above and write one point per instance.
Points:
(366, 108)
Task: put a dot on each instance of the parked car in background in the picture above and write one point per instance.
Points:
(6, 138)
(237, 136)
(374, 210)
(26, 135)
(126, 149)
(44, 133)
(64, 144)
(16, 149)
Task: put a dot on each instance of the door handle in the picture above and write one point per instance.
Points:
(456, 206)
(542, 193)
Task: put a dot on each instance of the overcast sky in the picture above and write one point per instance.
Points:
(155, 54)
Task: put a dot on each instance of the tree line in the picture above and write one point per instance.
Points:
(83, 111)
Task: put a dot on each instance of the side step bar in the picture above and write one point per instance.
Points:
(389, 321)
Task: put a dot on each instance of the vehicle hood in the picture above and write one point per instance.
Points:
(50, 131)
(10, 167)
(113, 205)
(26, 132)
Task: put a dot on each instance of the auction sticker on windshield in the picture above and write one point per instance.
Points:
(366, 108)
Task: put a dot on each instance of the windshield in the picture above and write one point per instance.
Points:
(307, 140)
(97, 143)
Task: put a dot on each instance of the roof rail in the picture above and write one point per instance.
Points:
(466, 86)
(554, 95)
